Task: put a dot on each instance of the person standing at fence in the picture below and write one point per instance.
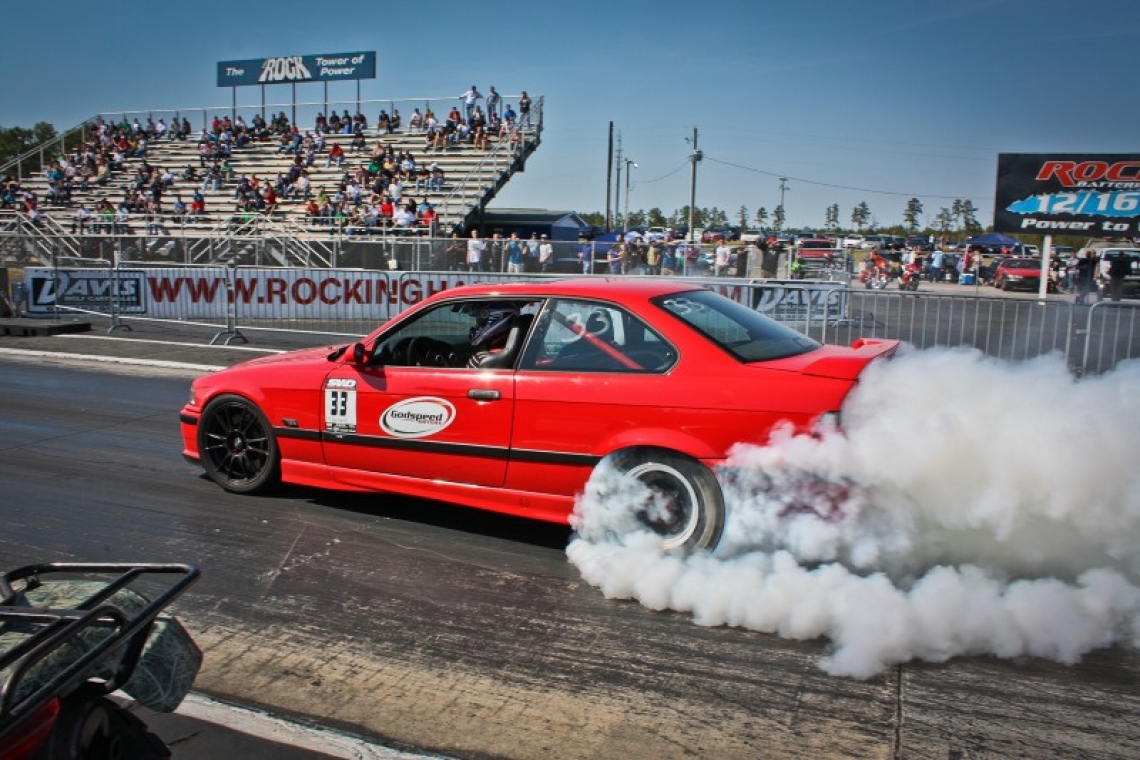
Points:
(936, 261)
(530, 253)
(516, 262)
(742, 256)
(545, 255)
(494, 259)
(653, 256)
(455, 253)
(470, 98)
(1119, 267)
(1086, 275)
(615, 255)
(475, 248)
(586, 255)
(720, 259)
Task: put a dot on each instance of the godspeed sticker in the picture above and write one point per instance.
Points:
(417, 417)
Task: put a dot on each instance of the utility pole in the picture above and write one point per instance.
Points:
(783, 211)
(617, 185)
(609, 177)
(694, 157)
(625, 217)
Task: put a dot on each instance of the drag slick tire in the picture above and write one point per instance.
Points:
(690, 494)
(237, 447)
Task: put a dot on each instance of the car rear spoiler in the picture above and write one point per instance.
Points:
(847, 366)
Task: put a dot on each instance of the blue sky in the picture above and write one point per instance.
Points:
(875, 101)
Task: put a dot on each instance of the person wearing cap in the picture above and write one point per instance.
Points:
(545, 255)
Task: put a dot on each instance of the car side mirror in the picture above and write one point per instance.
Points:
(359, 354)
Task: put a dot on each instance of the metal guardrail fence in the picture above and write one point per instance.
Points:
(351, 302)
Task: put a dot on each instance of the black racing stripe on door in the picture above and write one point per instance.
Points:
(445, 447)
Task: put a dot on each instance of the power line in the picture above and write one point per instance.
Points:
(837, 187)
(664, 177)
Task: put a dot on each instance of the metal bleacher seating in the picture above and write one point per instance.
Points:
(472, 177)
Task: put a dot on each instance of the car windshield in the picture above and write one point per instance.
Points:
(1022, 264)
(739, 330)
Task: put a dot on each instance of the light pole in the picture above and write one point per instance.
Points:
(694, 157)
(625, 215)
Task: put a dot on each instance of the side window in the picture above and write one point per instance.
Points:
(588, 336)
(435, 338)
(476, 333)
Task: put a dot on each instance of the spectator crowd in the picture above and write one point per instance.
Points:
(109, 180)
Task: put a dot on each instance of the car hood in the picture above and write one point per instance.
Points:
(838, 362)
(300, 356)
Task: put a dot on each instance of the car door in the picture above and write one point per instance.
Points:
(420, 422)
(438, 419)
(590, 371)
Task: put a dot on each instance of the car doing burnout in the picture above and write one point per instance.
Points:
(507, 397)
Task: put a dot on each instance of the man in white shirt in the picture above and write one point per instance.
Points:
(470, 98)
(545, 255)
(475, 248)
(723, 253)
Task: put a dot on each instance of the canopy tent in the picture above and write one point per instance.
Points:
(994, 238)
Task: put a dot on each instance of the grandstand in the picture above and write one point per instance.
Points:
(284, 235)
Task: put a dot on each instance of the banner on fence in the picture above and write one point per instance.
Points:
(330, 294)
(790, 300)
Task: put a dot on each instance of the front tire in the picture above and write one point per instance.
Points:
(687, 506)
(237, 447)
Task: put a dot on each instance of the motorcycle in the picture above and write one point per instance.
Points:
(909, 278)
(73, 633)
(874, 278)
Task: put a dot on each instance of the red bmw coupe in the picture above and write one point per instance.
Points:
(507, 396)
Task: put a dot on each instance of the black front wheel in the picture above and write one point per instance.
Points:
(237, 447)
(685, 505)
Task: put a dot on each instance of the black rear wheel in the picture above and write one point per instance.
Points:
(237, 446)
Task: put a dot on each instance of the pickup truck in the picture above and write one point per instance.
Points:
(819, 257)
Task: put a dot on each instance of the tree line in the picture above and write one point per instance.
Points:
(17, 140)
(960, 217)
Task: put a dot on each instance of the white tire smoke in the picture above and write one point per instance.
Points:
(970, 507)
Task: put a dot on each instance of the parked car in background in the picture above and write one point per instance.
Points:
(1131, 280)
(752, 235)
(852, 241)
(883, 242)
(1017, 273)
(820, 257)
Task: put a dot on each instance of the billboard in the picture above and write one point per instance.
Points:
(324, 67)
(1068, 193)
